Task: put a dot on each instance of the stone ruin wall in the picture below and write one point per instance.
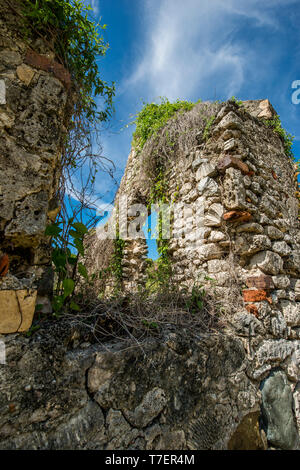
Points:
(249, 233)
(34, 104)
(238, 389)
(250, 243)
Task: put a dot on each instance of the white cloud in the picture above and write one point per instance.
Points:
(189, 48)
(95, 4)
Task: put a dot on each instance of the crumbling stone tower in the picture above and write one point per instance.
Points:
(238, 172)
(226, 157)
(35, 101)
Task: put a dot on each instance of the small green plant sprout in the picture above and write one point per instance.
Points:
(195, 302)
(236, 101)
(116, 265)
(32, 330)
(207, 129)
(150, 324)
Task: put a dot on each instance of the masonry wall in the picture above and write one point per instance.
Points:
(247, 239)
(34, 108)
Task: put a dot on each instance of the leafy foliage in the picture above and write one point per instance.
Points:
(297, 174)
(160, 274)
(154, 116)
(77, 42)
(116, 265)
(285, 136)
(195, 301)
(236, 101)
(66, 264)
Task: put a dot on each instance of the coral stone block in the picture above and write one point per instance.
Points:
(255, 295)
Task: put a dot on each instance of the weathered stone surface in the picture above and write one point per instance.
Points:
(266, 110)
(35, 108)
(16, 310)
(229, 121)
(2, 92)
(210, 251)
(251, 227)
(44, 63)
(206, 169)
(230, 161)
(151, 406)
(208, 187)
(277, 406)
(25, 73)
(194, 397)
(260, 282)
(291, 312)
(213, 218)
(297, 290)
(274, 233)
(119, 432)
(10, 58)
(230, 145)
(216, 236)
(282, 248)
(272, 353)
(281, 281)
(248, 435)
(234, 190)
(268, 262)
(249, 244)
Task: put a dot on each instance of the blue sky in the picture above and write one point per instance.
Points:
(191, 49)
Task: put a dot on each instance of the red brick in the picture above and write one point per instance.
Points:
(256, 296)
(237, 216)
(252, 309)
(43, 63)
(260, 282)
(232, 162)
(4, 265)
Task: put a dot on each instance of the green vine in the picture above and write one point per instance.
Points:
(116, 264)
(154, 116)
(159, 194)
(207, 129)
(285, 136)
(77, 42)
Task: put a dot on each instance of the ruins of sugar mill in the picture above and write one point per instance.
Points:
(233, 388)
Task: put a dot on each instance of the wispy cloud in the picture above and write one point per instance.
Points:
(194, 47)
(95, 4)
